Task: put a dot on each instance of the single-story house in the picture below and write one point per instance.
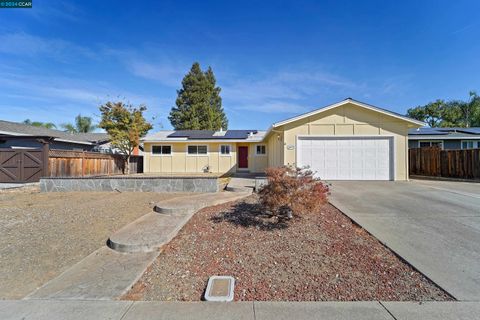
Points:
(348, 140)
(60, 140)
(445, 138)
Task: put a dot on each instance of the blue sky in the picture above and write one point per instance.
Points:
(272, 60)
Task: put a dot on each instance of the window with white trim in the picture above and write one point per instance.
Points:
(429, 144)
(470, 144)
(161, 150)
(261, 150)
(197, 150)
(225, 149)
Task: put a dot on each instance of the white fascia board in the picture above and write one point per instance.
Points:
(55, 139)
(436, 137)
(226, 141)
(343, 102)
(146, 139)
(16, 133)
(73, 141)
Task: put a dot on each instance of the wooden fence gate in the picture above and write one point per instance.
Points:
(22, 165)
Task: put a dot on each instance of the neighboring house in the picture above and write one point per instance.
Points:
(349, 140)
(59, 139)
(445, 138)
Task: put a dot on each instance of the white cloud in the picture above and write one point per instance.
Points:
(24, 44)
(282, 92)
(38, 90)
(274, 107)
(164, 73)
(163, 68)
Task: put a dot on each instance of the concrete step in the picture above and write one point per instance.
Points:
(148, 233)
(105, 274)
(153, 230)
(241, 184)
(238, 189)
(197, 202)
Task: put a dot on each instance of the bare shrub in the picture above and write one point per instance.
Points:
(292, 191)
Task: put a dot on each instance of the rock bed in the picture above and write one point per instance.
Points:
(319, 256)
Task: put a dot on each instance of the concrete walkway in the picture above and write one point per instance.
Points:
(109, 272)
(241, 183)
(128, 310)
(434, 225)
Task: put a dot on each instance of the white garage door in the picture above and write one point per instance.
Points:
(347, 158)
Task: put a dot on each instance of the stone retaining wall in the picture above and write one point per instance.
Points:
(130, 184)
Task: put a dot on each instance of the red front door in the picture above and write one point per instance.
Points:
(243, 157)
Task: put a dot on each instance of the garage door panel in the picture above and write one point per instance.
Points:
(319, 163)
(349, 158)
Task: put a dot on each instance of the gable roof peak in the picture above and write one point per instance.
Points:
(355, 102)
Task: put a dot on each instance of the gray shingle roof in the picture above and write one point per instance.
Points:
(15, 128)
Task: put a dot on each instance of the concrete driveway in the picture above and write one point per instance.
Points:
(434, 225)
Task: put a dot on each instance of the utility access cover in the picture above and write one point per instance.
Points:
(220, 288)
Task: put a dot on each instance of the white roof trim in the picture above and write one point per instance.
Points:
(442, 137)
(55, 139)
(74, 141)
(15, 133)
(349, 100)
(193, 141)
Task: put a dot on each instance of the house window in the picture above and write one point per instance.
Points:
(470, 144)
(429, 144)
(225, 150)
(161, 150)
(195, 150)
(261, 150)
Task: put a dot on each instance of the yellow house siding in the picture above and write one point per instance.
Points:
(180, 162)
(259, 162)
(349, 120)
(275, 149)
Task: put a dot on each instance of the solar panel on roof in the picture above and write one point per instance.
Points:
(192, 134)
(238, 134)
(473, 130)
(426, 131)
(209, 134)
(444, 131)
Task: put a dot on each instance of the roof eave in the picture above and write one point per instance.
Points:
(226, 141)
(414, 122)
(73, 141)
(442, 137)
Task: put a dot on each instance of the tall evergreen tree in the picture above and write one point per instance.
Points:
(198, 104)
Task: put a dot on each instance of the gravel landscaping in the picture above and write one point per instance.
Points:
(319, 256)
(43, 234)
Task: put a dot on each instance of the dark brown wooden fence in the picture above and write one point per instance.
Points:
(66, 163)
(463, 164)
